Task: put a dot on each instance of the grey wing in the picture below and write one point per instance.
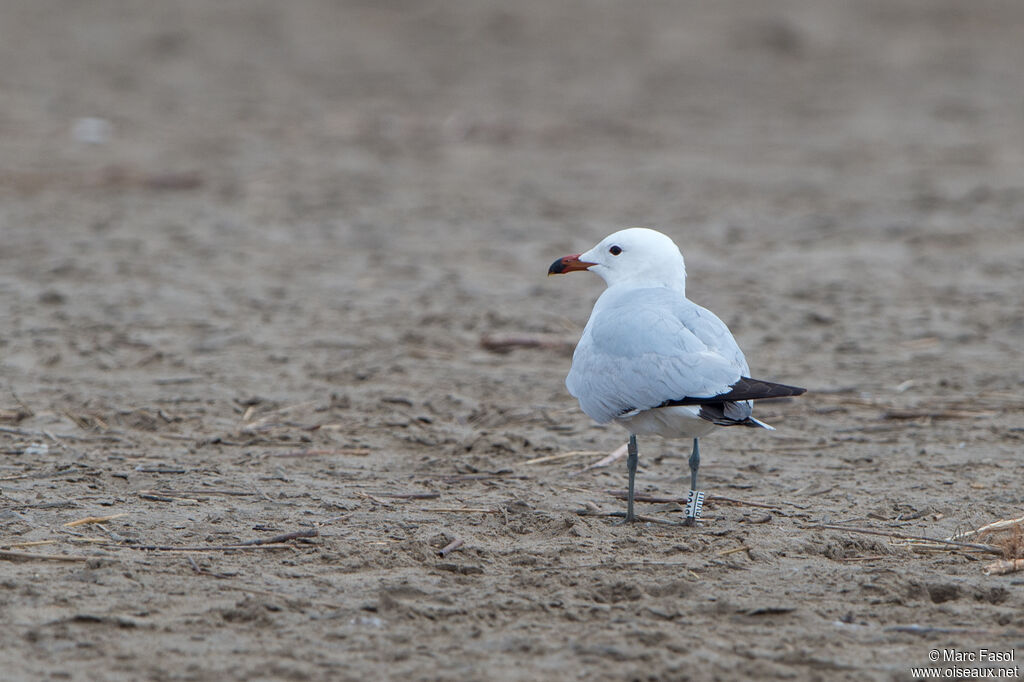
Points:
(637, 356)
(710, 329)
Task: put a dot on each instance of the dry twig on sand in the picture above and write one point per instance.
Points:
(32, 556)
(483, 476)
(564, 455)
(1005, 524)
(460, 510)
(501, 343)
(619, 453)
(276, 542)
(734, 550)
(350, 452)
(411, 496)
(373, 498)
(451, 547)
(93, 519)
(179, 494)
(929, 543)
(1004, 566)
(32, 543)
(1008, 536)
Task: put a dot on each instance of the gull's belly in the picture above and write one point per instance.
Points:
(679, 421)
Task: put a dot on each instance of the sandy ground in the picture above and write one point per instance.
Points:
(251, 304)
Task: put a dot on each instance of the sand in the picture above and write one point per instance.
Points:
(249, 301)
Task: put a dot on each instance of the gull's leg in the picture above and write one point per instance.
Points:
(695, 499)
(632, 458)
(694, 464)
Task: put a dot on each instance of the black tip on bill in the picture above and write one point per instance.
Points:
(558, 267)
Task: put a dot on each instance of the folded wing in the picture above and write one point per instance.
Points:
(645, 347)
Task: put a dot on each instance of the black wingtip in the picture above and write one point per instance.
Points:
(744, 389)
(759, 389)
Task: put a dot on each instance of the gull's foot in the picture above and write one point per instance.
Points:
(626, 518)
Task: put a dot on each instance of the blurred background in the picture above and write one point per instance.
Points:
(210, 152)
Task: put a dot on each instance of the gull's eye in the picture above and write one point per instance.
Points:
(615, 250)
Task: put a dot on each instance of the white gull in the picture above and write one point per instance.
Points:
(653, 361)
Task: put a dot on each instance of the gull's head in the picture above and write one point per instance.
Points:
(636, 255)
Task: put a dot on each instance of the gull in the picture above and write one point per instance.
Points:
(653, 361)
